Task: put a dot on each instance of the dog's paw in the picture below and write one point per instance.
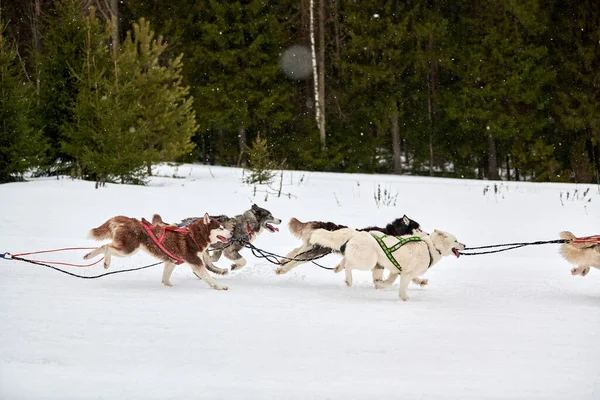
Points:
(348, 283)
(167, 283)
(280, 270)
(421, 282)
(235, 267)
(585, 271)
(404, 297)
(575, 271)
(87, 256)
(106, 265)
(379, 284)
(339, 268)
(219, 287)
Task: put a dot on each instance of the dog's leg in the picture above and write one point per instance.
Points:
(382, 284)
(104, 249)
(211, 267)
(404, 281)
(292, 254)
(95, 252)
(391, 279)
(580, 270)
(215, 255)
(348, 274)
(341, 266)
(420, 281)
(287, 264)
(167, 271)
(377, 275)
(238, 260)
(203, 274)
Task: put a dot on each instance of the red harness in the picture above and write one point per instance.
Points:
(159, 241)
(250, 231)
(587, 239)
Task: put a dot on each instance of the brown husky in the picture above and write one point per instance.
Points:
(173, 246)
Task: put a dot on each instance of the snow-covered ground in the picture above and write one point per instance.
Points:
(510, 325)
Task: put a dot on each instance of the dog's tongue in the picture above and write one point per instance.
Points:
(222, 238)
(456, 253)
(271, 227)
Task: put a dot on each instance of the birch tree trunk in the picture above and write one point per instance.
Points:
(321, 64)
(318, 70)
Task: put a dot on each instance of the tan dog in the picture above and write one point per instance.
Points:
(582, 254)
(173, 246)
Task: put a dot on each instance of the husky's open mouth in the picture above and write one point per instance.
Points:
(272, 228)
(456, 253)
(222, 238)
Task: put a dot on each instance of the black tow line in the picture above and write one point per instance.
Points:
(508, 246)
(8, 256)
(274, 258)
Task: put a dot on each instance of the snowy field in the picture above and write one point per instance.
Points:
(513, 325)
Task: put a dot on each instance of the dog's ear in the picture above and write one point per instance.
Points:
(406, 220)
(254, 206)
(206, 219)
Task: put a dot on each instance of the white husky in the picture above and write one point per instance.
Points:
(410, 259)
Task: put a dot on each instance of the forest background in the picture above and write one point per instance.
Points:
(488, 89)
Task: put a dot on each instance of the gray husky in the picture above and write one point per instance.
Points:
(248, 226)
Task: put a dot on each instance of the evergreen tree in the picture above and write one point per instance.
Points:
(373, 63)
(102, 139)
(238, 85)
(577, 51)
(130, 110)
(261, 165)
(21, 146)
(502, 73)
(164, 109)
(63, 34)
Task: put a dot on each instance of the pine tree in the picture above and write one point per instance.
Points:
(502, 72)
(63, 36)
(577, 51)
(162, 103)
(102, 137)
(238, 85)
(130, 110)
(21, 146)
(261, 165)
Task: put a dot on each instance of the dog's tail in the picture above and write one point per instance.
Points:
(302, 230)
(157, 220)
(102, 232)
(332, 239)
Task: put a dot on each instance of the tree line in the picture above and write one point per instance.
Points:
(488, 89)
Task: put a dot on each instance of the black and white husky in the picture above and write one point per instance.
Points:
(308, 250)
(410, 259)
(247, 225)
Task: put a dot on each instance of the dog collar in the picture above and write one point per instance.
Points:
(249, 229)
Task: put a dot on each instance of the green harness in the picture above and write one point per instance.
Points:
(401, 242)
